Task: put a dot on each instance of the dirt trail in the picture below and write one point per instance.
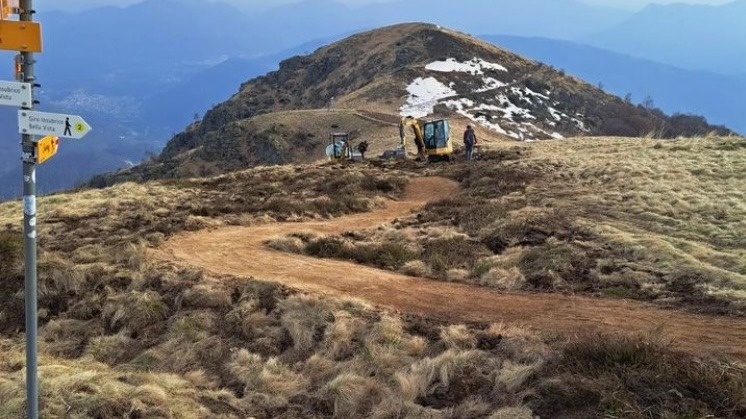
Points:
(240, 251)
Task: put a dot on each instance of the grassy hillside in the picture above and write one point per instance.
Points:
(418, 70)
(285, 137)
(643, 219)
(122, 336)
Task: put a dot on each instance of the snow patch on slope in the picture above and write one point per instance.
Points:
(490, 83)
(424, 94)
(511, 109)
(476, 66)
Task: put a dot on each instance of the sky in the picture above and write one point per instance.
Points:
(74, 5)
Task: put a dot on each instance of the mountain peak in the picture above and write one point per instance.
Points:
(368, 81)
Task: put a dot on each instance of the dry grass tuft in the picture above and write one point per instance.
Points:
(512, 413)
(288, 244)
(270, 376)
(505, 279)
(642, 376)
(442, 380)
(130, 255)
(416, 268)
(513, 376)
(85, 388)
(135, 310)
(458, 337)
(208, 296)
(471, 408)
(67, 337)
(353, 395)
(388, 331)
(456, 275)
(416, 346)
(341, 337)
(304, 317)
(113, 349)
(58, 276)
(277, 378)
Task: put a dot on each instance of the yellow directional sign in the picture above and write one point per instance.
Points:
(20, 36)
(46, 148)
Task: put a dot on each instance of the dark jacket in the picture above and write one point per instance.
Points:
(470, 137)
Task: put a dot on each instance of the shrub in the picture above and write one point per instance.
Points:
(387, 254)
(457, 252)
(456, 275)
(329, 247)
(512, 413)
(113, 349)
(135, 310)
(11, 254)
(305, 318)
(458, 337)
(416, 268)
(506, 279)
(67, 338)
(11, 283)
(641, 376)
(286, 244)
(393, 255)
(207, 296)
(543, 265)
(354, 396)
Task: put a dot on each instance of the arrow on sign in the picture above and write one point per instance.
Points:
(13, 93)
(56, 124)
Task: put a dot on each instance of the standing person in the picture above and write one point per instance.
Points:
(470, 140)
(362, 148)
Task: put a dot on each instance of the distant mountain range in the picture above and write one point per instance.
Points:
(692, 36)
(720, 97)
(137, 95)
(565, 19)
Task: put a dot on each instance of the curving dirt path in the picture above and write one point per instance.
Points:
(240, 251)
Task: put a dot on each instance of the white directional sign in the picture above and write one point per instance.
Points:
(56, 124)
(13, 93)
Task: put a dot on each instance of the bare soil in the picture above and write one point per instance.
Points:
(240, 251)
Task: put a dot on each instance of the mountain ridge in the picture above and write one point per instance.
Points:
(673, 89)
(398, 70)
(669, 33)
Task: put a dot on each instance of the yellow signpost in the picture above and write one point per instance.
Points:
(24, 35)
(20, 36)
(46, 148)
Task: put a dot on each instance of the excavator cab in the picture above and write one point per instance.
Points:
(433, 138)
(437, 139)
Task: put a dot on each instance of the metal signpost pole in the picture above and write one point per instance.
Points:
(29, 234)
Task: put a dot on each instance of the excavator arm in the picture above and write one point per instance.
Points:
(419, 138)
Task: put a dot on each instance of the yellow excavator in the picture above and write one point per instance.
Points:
(433, 139)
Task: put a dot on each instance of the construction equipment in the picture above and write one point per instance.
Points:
(432, 138)
(340, 147)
